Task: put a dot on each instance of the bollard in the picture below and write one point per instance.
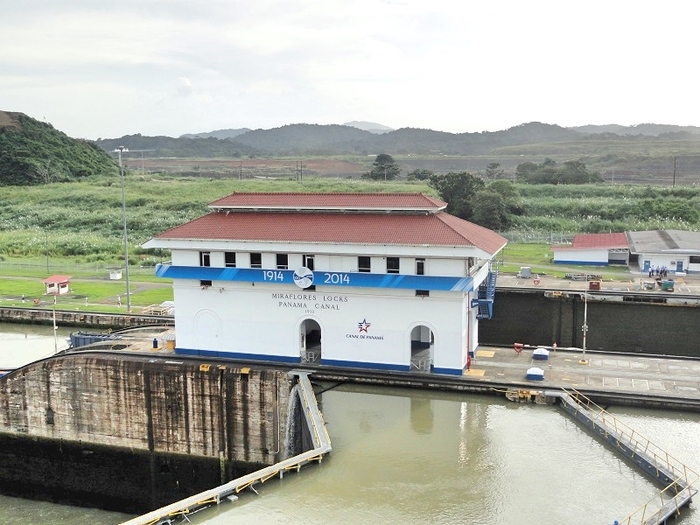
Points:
(155, 343)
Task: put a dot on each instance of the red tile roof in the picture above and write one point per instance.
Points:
(433, 229)
(583, 241)
(330, 201)
(56, 279)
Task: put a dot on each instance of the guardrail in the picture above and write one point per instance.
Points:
(676, 477)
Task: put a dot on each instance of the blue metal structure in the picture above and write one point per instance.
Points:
(487, 293)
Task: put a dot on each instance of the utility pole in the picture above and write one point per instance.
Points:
(120, 150)
(584, 328)
(674, 171)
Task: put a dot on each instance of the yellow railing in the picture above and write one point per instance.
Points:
(674, 495)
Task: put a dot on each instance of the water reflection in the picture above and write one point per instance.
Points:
(416, 457)
(21, 344)
(421, 415)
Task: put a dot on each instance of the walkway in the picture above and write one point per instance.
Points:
(671, 380)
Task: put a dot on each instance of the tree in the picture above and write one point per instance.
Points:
(458, 190)
(419, 174)
(525, 171)
(384, 168)
(549, 172)
(490, 210)
(493, 171)
(511, 197)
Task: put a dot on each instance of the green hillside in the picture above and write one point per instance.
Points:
(33, 152)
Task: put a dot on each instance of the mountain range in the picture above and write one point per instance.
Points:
(350, 139)
(30, 151)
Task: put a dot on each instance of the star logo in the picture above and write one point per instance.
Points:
(364, 325)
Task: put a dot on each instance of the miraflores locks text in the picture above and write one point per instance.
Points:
(309, 301)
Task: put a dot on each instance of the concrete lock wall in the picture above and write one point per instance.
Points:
(614, 326)
(133, 434)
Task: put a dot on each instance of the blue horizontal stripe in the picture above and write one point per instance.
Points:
(297, 360)
(449, 371)
(340, 279)
(582, 263)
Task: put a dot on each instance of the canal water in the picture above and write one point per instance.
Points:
(409, 456)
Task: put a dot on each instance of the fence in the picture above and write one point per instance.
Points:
(539, 237)
(69, 268)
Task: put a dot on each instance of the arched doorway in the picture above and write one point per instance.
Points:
(207, 330)
(310, 332)
(422, 346)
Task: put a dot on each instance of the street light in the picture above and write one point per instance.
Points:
(584, 328)
(120, 150)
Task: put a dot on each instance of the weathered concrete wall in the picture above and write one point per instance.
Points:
(81, 319)
(136, 431)
(532, 318)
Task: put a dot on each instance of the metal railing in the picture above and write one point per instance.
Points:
(675, 495)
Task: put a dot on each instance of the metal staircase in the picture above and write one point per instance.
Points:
(486, 294)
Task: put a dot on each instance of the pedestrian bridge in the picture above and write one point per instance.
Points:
(675, 477)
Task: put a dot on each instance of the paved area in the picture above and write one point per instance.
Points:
(641, 375)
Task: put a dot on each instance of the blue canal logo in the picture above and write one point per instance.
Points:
(303, 277)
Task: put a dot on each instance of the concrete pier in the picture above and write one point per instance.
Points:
(135, 432)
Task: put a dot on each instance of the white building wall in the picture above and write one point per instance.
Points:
(265, 321)
(336, 263)
(664, 259)
(581, 256)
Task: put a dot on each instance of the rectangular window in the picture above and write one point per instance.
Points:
(392, 265)
(230, 259)
(422, 293)
(282, 261)
(205, 284)
(420, 266)
(205, 258)
(363, 264)
(694, 259)
(256, 260)
(308, 262)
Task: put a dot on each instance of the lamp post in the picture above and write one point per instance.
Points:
(584, 328)
(120, 150)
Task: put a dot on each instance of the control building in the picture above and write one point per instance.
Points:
(370, 280)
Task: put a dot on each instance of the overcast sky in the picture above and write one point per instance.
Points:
(94, 68)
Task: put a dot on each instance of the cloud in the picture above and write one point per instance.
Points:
(184, 88)
(103, 69)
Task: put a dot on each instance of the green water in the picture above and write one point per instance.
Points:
(408, 456)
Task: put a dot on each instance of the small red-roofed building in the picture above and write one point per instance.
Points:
(370, 280)
(598, 249)
(57, 284)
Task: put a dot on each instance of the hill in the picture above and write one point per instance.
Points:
(652, 130)
(33, 152)
(372, 127)
(334, 139)
(162, 146)
(217, 134)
